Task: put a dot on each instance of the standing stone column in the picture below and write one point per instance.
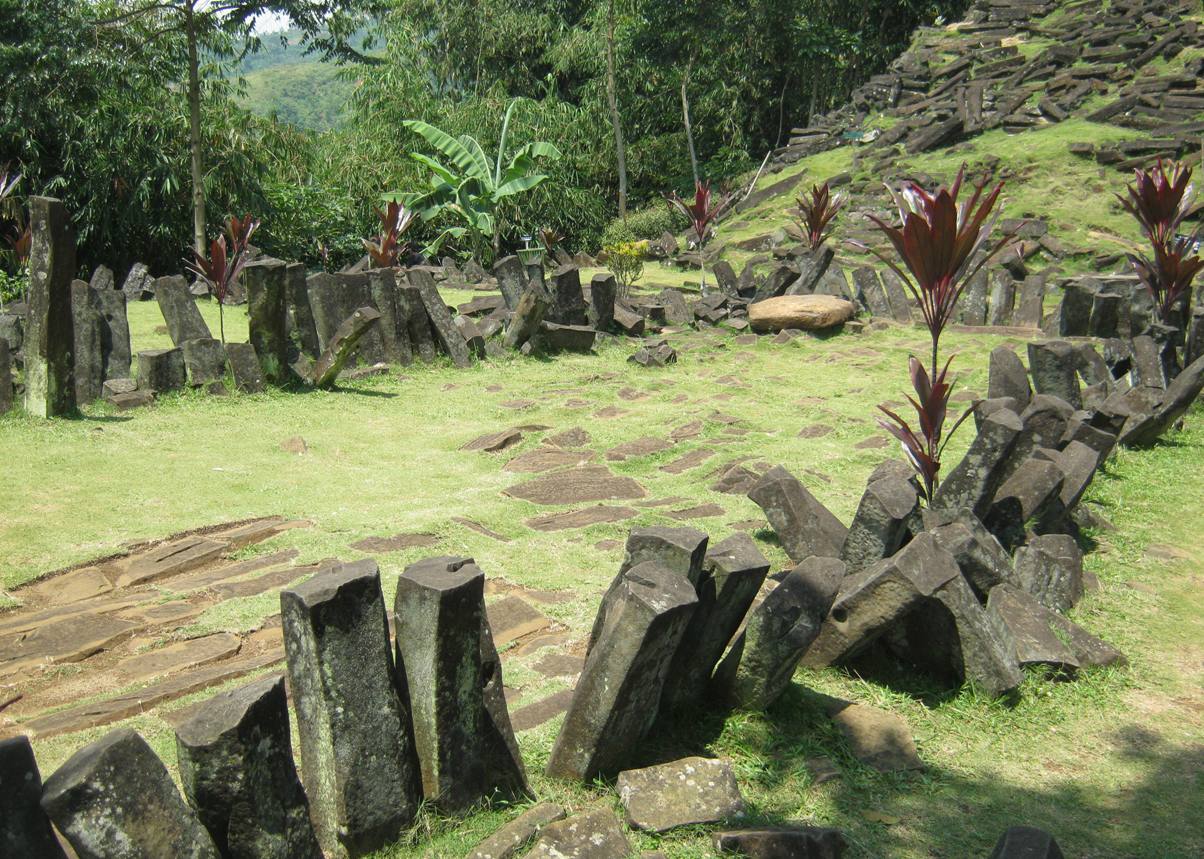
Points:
(114, 799)
(601, 310)
(440, 616)
(616, 699)
(183, 317)
(734, 572)
(236, 765)
(568, 301)
(418, 324)
(441, 319)
(6, 378)
(24, 828)
(114, 333)
(86, 318)
(49, 332)
(357, 743)
(511, 280)
(505, 772)
(394, 326)
(267, 315)
(762, 661)
(300, 315)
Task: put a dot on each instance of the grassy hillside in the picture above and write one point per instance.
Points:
(282, 80)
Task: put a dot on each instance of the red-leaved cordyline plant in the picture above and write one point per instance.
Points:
(228, 256)
(385, 249)
(1160, 201)
(21, 241)
(817, 213)
(941, 243)
(702, 213)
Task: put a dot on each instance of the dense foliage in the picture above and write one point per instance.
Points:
(97, 115)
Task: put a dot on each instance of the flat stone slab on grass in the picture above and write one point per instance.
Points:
(599, 514)
(76, 585)
(702, 511)
(510, 618)
(547, 459)
(578, 486)
(495, 441)
(693, 459)
(169, 559)
(533, 715)
(176, 657)
(506, 842)
(396, 543)
(69, 640)
(574, 437)
(878, 738)
(645, 446)
(680, 793)
(593, 834)
(559, 665)
(782, 842)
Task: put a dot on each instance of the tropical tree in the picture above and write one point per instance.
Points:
(469, 186)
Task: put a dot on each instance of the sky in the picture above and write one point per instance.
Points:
(270, 22)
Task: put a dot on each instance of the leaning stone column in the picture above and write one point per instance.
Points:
(24, 828)
(49, 331)
(236, 765)
(357, 743)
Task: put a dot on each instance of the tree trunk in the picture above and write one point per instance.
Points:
(194, 135)
(685, 112)
(620, 147)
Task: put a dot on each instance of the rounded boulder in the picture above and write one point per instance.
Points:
(802, 312)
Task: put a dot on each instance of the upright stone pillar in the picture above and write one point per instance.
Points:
(511, 280)
(617, 695)
(601, 310)
(568, 301)
(114, 799)
(236, 765)
(300, 315)
(442, 649)
(86, 320)
(394, 326)
(24, 827)
(183, 317)
(6, 378)
(49, 331)
(114, 333)
(357, 743)
(267, 315)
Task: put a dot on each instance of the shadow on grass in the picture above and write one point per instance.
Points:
(950, 812)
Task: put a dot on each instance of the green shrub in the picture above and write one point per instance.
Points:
(626, 260)
(12, 286)
(301, 216)
(644, 225)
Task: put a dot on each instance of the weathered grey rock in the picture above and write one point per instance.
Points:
(1091, 366)
(183, 318)
(505, 773)
(568, 301)
(593, 834)
(12, 331)
(972, 307)
(244, 365)
(867, 286)
(1078, 462)
(333, 298)
(1106, 313)
(528, 316)
(49, 332)
(204, 361)
(342, 346)
(236, 765)
(439, 613)
(357, 743)
(980, 557)
(266, 283)
(896, 296)
(880, 525)
(302, 332)
(1141, 430)
(418, 323)
(114, 799)
(511, 279)
(1023, 623)
(628, 321)
(725, 277)
(804, 526)
(6, 379)
(762, 660)
(733, 573)
(782, 842)
(601, 310)
(441, 320)
(161, 370)
(661, 355)
(114, 333)
(681, 550)
(812, 269)
(1050, 567)
(473, 338)
(1148, 368)
(1054, 368)
(972, 484)
(566, 338)
(88, 363)
(615, 702)
(680, 793)
(1026, 842)
(1074, 315)
(1193, 346)
(138, 285)
(1007, 376)
(394, 326)
(24, 828)
(676, 311)
(1045, 421)
(1030, 308)
(507, 841)
(1003, 296)
(119, 386)
(1031, 494)
(875, 599)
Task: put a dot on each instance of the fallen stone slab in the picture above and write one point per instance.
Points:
(1050, 567)
(507, 841)
(533, 715)
(357, 742)
(593, 834)
(495, 441)
(1144, 430)
(599, 514)
(115, 798)
(441, 319)
(543, 459)
(512, 618)
(645, 446)
(341, 346)
(169, 559)
(396, 543)
(183, 318)
(161, 371)
(181, 656)
(1025, 624)
(973, 482)
(981, 558)
(554, 337)
(68, 640)
(1033, 493)
(762, 660)
(661, 355)
(804, 526)
(236, 765)
(615, 702)
(878, 738)
(782, 842)
(24, 828)
(528, 316)
(1026, 842)
(578, 486)
(881, 523)
(680, 793)
(799, 312)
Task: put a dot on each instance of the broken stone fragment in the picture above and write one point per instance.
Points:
(680, 793)
(804, 526)
(782, 842)
(507, 841)
(24, 828)
(1050, 567)
(880, 525)
(593, 834)
(1026, 842)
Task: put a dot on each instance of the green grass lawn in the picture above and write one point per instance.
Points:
(1113, 764)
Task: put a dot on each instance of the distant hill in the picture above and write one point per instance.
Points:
(296, 87)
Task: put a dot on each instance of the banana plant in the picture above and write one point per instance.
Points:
(468, 185)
